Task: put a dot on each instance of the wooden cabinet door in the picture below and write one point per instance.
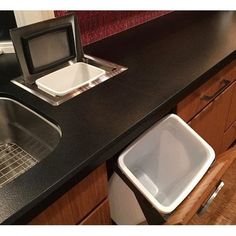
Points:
(78, 202)
(100, 216)
(201, 97)
(210, 122)
(229, 137)
(204, 189)
(232, 110)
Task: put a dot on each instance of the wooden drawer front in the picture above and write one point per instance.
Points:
(198, 99)
(100, 216)
(189, 207)
(232, 111)
(74, 205)
(210, 122)
(229, 137)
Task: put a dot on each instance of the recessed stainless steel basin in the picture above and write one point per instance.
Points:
(25, 139)
(111, 70)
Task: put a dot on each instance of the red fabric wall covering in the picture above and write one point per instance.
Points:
(96, 25)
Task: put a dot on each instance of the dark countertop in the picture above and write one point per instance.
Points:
(167, 59)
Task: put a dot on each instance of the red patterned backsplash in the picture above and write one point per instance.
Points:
(97, 25)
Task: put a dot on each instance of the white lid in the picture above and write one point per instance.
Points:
(69, 78)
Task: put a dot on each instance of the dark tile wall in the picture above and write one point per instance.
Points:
(96, 25)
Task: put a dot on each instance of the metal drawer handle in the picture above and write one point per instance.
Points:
(225, 83)
(210, 200)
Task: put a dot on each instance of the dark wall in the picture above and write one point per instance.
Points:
(96, 25)
(7, 21)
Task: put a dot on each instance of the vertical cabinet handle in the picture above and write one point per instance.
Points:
(210, 200)
(225, 83)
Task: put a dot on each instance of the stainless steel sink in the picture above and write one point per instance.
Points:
(25, 139)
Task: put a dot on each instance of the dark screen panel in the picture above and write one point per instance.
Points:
(48, 49)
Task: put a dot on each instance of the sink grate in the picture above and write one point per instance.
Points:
(14, 161)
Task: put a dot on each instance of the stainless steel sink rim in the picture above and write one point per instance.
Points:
(26, 138)
(111, 69)
(35, 113)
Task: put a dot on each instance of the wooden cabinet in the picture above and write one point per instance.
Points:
(79, 202)
(100, 216)
(201, 193)
(229, 137)
(201, 97)
(211, 109)
(232, 110)
(210, 122)
(211, 112)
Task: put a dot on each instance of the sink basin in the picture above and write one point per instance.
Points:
(26, 138)
(164, 164)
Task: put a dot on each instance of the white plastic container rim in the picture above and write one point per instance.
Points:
(68, 79)
(159, 207)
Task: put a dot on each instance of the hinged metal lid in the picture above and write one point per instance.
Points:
(47, 46)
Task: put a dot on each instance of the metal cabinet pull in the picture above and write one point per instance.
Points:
(210, 200)
(225, 83)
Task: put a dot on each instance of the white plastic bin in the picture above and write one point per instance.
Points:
(165, 164)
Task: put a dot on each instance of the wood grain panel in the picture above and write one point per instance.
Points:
(74, 205)
(210, 122)
(203, 190)
(229, 137)
(232, 111)
(194, 103)
(100, 216)
(223, 209)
